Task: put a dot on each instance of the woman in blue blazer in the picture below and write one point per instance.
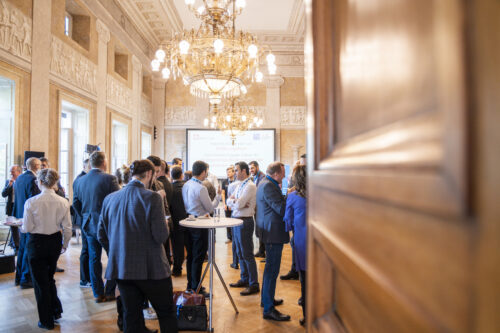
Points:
(295, 219)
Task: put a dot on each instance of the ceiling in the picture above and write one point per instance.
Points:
(278, 23)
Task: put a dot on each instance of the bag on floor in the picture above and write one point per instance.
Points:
(191, 311)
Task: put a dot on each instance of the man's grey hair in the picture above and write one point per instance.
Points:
(30, 163)
(48, 177)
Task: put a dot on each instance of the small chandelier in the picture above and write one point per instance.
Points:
(232, 119)
(215, 59)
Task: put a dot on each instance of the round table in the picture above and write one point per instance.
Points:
(211, 224)
(11, 222)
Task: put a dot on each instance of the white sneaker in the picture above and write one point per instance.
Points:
(149, 314)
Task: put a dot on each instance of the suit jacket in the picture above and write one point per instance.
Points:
(132, 229)
(259, 178)
(76, 208)
(271, 205)
(177, 209)
(167, 185)
(158, 186)
(7, 193)
(90, 193)
(25, 187)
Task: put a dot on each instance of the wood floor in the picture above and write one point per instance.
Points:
(81, 314)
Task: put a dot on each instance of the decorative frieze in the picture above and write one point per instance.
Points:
(71, 66)
(146, 111)
(293, 116)
(118, 94)
(15, 31)
(181, 116)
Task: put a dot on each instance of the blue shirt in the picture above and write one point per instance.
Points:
(196, 199)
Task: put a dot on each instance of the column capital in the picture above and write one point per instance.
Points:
(102, 32)
(274, 81)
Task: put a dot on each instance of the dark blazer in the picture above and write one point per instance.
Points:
(167, 185)
(25, 187)
(177, 209)
(259, 178)
(76, 208)
(90, 193)
(7, 193)
(132, 229)
(271, 206)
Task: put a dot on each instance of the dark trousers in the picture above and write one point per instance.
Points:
(196, 251)
(159, 293)
(84, 261)
(262, 247)
(177, 238)
(242, 237)
(22, 267)
(229, 230)
(43, 252)
(95, 269)
(302, 276)
(14, 238)
(234, 250)
(271, 272)
(292, 244)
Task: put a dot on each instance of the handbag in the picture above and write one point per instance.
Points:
(191, 311)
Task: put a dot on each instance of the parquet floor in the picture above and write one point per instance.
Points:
(81, 314)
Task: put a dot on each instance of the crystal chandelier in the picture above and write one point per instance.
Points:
(216, 59)
(232, 118)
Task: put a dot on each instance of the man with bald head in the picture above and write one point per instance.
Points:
(25, 187)
(8, 193)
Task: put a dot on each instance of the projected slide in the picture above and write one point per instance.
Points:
(215, 148)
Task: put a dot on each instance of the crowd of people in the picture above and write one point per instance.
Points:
(135, 215)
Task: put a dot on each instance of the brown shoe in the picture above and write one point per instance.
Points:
(100, 299)
(250, 290)
(239, 284)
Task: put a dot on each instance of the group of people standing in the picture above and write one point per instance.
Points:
(135, 217)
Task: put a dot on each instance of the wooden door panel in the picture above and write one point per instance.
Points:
(388, 208)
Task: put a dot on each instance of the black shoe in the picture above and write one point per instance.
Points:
(290, 276)
(59, 270)
(50, 328)
(147, 330)
(57, 316)
(177, 274)
(260, 255)
(302, 322)
(250, 290)
(276, 302)
(239, 284)
(263, 260)
(205, 294)
(235, 266)
(119, 322)
(17, 283)
(300, 301)
(276, 315)
(26, 285)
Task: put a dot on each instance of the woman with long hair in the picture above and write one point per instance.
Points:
(295, 219)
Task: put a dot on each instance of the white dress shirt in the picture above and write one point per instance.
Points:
(47, 213)
(245, 198)
(196, 199)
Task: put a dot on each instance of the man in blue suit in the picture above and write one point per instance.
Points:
(87, 201)
(25, 187)
(133, 229)
(271, 230)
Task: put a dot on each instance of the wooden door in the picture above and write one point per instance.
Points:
(403, 143)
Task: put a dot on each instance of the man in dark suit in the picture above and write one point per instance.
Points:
(77, 221)
(178, 212)
(25, 187)
(271, 230)
(257, 177)
(139, 265)
(87, 201)
(8, 193)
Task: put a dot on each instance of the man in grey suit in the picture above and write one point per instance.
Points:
(271, 230)
(132, 228)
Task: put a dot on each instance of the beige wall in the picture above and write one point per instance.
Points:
(177, 94)
(25, 6)
(290, 139)
(292, 92)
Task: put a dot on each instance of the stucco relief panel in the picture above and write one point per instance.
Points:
(70, 65)
(118, 94)
(15, 31)
(181, 116)
(293, 116)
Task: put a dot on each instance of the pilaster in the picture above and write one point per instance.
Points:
(101, 83)
(136, 107)
(273, 104)
(158, 105)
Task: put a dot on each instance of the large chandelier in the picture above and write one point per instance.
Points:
(215, 59)
(232, 118)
